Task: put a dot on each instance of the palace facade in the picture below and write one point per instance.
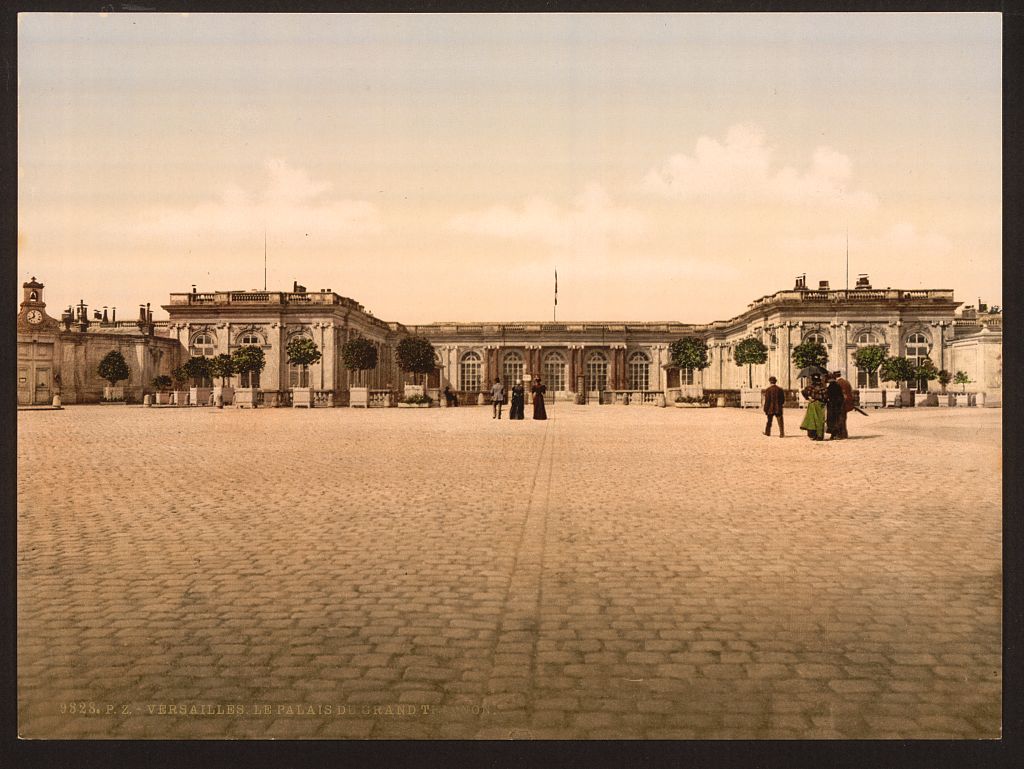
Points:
(591, 361)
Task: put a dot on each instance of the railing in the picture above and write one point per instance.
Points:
(631, 397)
(246, 297)
(379, 398)
(260, 398)
(323, 398)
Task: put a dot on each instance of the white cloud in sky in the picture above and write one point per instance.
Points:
(290, 205)
(590, 225)
(741, 168)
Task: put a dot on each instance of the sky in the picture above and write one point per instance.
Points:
(442, 167)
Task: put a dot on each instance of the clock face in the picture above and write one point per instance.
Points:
(34, 316)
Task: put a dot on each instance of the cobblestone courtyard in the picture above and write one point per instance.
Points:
(615, 572)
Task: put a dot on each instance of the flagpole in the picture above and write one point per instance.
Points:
(554, 309)
(264, 260)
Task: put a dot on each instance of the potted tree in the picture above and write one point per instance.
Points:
(868, 359)
(945, 398)
(689, 353)
(809, 353)
(222, 367)
(302, 351)
(963, 398)
(925, 372)
(200, 370)
(162, 386)
(898, 371)
(114, 369)
(748, 352)
(358, 355)
(248, 362)
(180, 393)
(415, 355)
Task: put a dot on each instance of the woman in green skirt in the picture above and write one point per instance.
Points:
(814, 419)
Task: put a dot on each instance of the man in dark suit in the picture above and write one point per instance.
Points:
(773, 398)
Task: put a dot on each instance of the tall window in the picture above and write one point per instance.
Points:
(202, 344)
(638, 371)
(469, 372)
(297, 377)
(554, 371)
(596, 372)
(917, 351)
(686, 376)
(867, 378)
(250, 378)
(512, 369)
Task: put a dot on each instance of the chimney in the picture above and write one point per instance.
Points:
(863, 282)
(823, 285)
(801, 283)
(105, 318)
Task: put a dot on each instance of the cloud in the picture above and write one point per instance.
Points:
(590, 224)
(290, 205)
(741, 169)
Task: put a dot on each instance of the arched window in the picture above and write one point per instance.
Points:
(512, 369)
(638, 371)
(469, 372)
(202, 344)
(33, 297)
(867, 378)
(596, 372)
(815, 336)
(917, 348)
(917, 351)
(249, 378)
(554, 371)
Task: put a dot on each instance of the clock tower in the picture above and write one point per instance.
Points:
(32, 317)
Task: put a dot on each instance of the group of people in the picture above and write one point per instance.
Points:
(829, 400)
(517, 406)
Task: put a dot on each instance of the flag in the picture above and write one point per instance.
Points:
(556, 286)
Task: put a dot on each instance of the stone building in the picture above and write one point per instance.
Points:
(61, 357)
(219, 322)
(608, 360)
(602, 362)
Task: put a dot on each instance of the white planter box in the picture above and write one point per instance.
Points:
(945, 400)
(161, 398)
(750, 397)
(226, 392)
(200, 396)
(925, 399)
(115, 393)
(893, 399)
(413, 389)
(872, 397)
(302, 397)
(180, 397)
(414, 405)
(245, 397)
(359, 397)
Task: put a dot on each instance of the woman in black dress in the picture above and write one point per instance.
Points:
(538, 389)
(518, 401)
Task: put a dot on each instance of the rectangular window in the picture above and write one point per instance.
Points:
(638, 376)
(554, 376)
(597, 375)
(865, 379)
(686, 376)
(469, 376)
